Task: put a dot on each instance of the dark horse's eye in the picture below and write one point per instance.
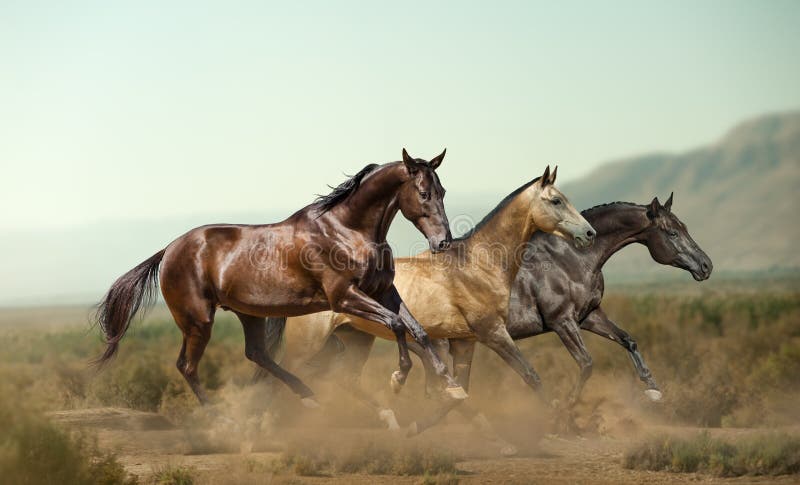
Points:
(556, 201)
(673, 233)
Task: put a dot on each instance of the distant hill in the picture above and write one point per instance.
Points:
(739, 196)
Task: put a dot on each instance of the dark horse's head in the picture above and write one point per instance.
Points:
(421, 200)
(669, 241)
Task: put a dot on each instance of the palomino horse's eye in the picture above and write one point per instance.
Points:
(556, 201)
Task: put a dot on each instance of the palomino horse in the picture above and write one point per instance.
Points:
(463, 292)
(559, 289)
(331, 254)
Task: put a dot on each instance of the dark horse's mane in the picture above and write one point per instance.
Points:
(339, 193)
(586, 212)
(494, 211)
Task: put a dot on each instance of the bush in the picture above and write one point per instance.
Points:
(35, 451)
(170, 475)
(768, 454)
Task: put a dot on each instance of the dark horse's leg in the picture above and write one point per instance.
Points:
(255, 349)
(597, 322)
(392, 313)
(570, 334)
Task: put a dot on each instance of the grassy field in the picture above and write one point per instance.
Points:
(727, 358)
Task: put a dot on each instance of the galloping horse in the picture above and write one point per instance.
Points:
(462, 292)
(560, 288)
(331, 254)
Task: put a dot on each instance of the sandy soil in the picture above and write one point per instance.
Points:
(148, 442)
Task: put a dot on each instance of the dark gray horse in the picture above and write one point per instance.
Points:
(559, 289)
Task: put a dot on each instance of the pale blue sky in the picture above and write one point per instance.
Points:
(115, 110)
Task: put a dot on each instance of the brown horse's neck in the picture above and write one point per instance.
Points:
(497, 242)
(617, 225)
(373, 206)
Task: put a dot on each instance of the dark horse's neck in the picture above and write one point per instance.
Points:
(617, 224)
(371, 208)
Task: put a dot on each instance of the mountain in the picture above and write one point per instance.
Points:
(739, 197)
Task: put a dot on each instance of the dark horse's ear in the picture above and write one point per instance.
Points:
(668, 203)
(435, 162)
(544, 180)
(411, 164)
(653, 208)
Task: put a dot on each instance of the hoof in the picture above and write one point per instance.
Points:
(509, 450)
(310, 403)
(388, 417)
(654, 394)
(395, 382)
(456, 392)
(412, 429)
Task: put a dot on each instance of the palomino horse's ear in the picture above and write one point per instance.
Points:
(668, 203)
(653, 208)
(411, 164)
(544, 180)
(435, 162)
(553, 175)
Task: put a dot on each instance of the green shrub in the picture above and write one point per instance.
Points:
(768, 454)
(35, 451)
(171, 475)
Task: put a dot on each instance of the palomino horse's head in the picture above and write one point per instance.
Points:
(553, 213)
(421, 200)
(669, 241)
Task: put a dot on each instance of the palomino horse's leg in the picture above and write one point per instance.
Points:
(355, 302)
(597, 322)
(570, 334)
(255, 333)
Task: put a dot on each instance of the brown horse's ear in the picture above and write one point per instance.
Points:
(544, 180)
(653, 208)
(553, 175)
(668, 203)
(411, 164)
(438, 160)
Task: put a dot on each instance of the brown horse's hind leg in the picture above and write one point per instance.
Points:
(196, 335)
(255, 334)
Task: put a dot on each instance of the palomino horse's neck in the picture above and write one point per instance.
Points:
(617, 225)
(497, 243)
(373, 206)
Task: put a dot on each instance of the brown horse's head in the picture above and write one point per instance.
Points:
(669, 241)
(421, 200)
(553, 213)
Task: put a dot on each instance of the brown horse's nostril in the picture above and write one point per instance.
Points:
(444, 244)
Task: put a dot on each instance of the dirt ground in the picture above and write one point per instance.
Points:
(148, 442)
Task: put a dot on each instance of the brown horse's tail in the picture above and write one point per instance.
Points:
(124, 299)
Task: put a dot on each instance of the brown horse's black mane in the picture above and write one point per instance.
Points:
(494, 211)
(327, 202)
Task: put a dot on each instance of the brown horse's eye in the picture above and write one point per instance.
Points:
(425, 195)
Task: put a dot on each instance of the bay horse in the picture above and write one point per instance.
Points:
(332, 254)
(464, 291)
(560, 289)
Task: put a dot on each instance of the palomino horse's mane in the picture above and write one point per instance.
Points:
(494, 211)
(339, 193)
